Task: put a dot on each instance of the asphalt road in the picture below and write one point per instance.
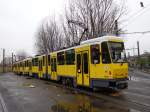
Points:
(21, 94)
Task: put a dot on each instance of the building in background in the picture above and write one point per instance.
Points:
(141, 62)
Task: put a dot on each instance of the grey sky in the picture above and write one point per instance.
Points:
(19, 20)
(138, 20)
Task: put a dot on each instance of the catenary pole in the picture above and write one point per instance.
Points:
(3, 60)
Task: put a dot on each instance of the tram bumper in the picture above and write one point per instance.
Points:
(110, 83)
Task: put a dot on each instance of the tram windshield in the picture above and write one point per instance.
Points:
(117, 52)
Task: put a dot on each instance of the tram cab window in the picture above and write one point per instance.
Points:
(105, 53)
(70, 57)
(117, 52)
(61, 58)
(95, 54)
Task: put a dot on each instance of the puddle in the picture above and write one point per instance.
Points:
(115, 94)
(85, 104)
(29, 78)
(134, 78)
(25, 84)
(28, 85)
(133, 110)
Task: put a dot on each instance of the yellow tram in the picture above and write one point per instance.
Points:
(99, 62)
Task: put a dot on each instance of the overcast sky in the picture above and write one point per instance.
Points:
(138, 21)
(19, 20)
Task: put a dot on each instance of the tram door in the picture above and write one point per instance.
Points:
(53, 68)
(83, 68)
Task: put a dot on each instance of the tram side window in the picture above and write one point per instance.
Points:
(52, 65)
(40, 65)
(23, 65)
(27, 63)
(35, 62)
(61, 58)
(70, 57)
(43, 60)
(55, 64)
(32, 62)
(49, 60)
(30, 65)
(95, 54)
(20, 64)
(105, 53)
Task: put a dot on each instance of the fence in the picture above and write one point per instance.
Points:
(7, 68)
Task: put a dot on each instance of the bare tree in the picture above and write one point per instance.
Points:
(99, 16)
(48, 37)
(41, 43)
(83, 19)
(71, 31)
(54, 35)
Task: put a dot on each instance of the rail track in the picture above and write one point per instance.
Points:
(118, 101)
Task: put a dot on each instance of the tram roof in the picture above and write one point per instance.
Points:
(97, 40)
(101, 39)
(84, 43)
(29, 58)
